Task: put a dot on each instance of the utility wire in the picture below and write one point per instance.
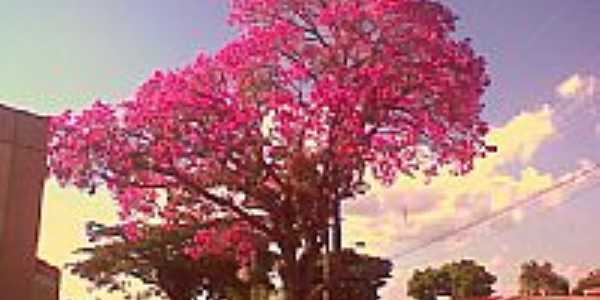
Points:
(562, 119)
(577, 178)
(497, 231)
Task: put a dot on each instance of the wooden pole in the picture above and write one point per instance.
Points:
(332, 247)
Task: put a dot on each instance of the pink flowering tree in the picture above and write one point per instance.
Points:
(283, 123)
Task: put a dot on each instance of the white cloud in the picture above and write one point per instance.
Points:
(408, 213)
(578, 86)
(579, 104)
(410, 210)
(579, 97)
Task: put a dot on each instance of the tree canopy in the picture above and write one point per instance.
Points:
(460, 280)
(284, 122)
(424, 285)
(159, 260)
(358, 276)
(540, 279)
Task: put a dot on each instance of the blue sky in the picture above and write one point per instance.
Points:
(544, 60)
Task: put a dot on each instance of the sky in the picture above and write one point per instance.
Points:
(544, 106)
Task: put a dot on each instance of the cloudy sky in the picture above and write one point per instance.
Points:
(544, 105)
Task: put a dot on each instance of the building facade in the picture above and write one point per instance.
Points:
(22, 176)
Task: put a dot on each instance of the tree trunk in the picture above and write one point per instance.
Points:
(291, 276)
(173, 285)
(177, 294)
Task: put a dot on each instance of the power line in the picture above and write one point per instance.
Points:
(579, 177)
(498, 231)
(561, 119)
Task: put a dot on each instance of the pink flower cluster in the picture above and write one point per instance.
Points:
(237, 240)
(346, 84)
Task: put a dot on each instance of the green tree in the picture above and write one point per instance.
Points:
(357, 276)
(540, 279)
(457, 279)
(158, 260)
(592, 280)
(467, 279)
(424, 285)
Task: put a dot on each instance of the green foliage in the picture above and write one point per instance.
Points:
(159, 261)
(357, 276)
(467, 279)
(540, 279)
(458, 279)
(424, 285)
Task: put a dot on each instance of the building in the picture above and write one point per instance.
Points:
(592, 292)
(45, 282)
(22, 176)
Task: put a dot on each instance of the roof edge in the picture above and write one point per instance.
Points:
(22, 111)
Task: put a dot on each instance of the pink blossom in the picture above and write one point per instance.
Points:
(347, 85)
